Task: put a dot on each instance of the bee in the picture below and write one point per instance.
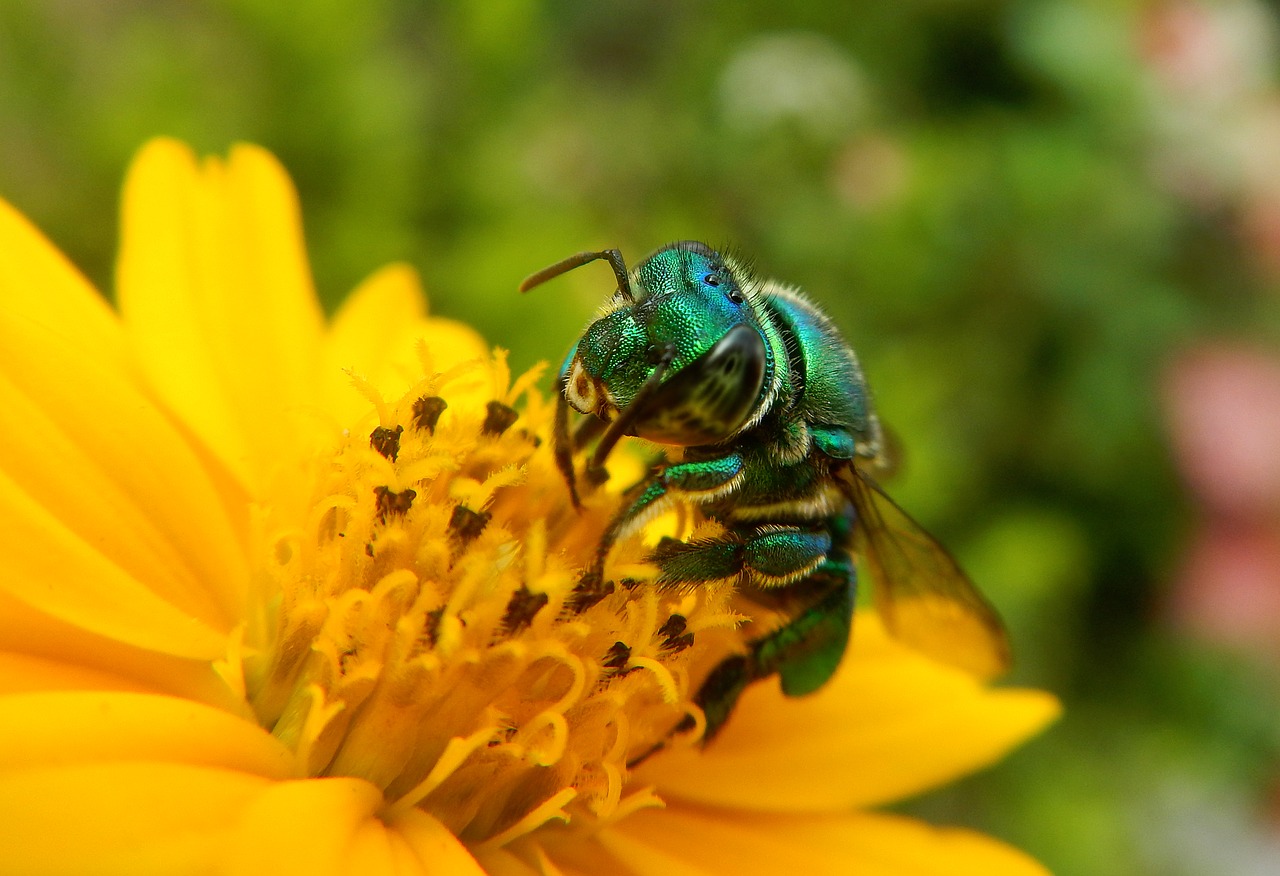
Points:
(772, 434)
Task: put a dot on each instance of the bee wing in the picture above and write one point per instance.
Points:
(925, 598)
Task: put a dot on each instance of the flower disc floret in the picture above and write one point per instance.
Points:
(421, 626)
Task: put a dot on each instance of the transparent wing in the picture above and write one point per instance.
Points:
(925, 598)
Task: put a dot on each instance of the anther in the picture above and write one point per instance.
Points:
(590, 589)
(521, 608)
(431, 629)
(616, 660)
(466, 524)
(386, 441)
(499, 418)
(388, 503)
(426, 412)
(675, 638)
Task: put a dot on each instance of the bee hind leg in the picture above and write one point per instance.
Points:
(794, 569)
(807, 649)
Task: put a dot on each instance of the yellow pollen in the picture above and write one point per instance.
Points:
(417, 624)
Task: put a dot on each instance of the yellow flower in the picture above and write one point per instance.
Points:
(284, 596)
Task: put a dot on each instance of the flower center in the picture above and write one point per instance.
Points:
(419, 626)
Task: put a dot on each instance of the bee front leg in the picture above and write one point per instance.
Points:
(695, 482)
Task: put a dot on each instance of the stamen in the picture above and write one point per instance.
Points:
(386, 441)
(466, 525)
(427, 411)
(455, 753)
(389, 503)
(617, 659)
(524, 604)
(666, 683)
(499, 419)
(426, 622)
(552, 809)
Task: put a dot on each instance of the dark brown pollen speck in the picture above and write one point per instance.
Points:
(427, 411)
(616, 660)
(431, 629)
(499, 418)
(466, 524)
(388, 502)
(676, 644)
(674, 637)
(674, 626)
(589, 590)
(386, 441)
(346, 659)
(522, 607)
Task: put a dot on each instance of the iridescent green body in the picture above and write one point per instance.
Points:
(771, 429)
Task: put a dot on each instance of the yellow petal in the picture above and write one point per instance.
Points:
(57, 471)
(50, 567)
(44, 653)
(217, 297)
(891, 723)
(66, 727)
(375, 335)
(500, 862)
(165, 818)
(121, 818)
(40, 287)
(433, 845)
(88, 448)
(306, 826)
(24, 673)
(694, 842)
(375, 849)
(330, 826)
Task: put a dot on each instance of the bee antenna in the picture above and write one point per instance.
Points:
(577, 260)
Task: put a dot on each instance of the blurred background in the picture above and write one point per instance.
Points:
(1051, 229)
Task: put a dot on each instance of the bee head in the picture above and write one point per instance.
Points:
(680, 351)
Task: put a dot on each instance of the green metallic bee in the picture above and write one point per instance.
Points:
(775, 439)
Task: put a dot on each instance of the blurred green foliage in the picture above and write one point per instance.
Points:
(970, 188)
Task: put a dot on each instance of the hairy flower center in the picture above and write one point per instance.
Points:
(419, 625)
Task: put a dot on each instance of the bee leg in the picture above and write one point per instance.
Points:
(697, 482)
(775, 556)
(587, 431)
(795, 569)
(804, 652)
